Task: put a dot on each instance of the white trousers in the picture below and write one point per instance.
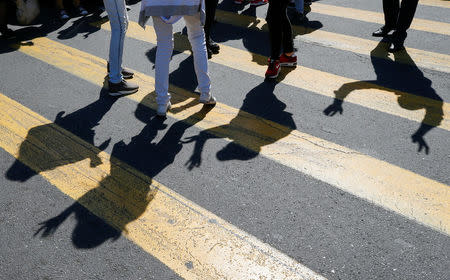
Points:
(164, 34)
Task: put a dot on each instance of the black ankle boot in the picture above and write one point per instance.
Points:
(212, 46)
(397, 41)
(7, 33)
(396, 46)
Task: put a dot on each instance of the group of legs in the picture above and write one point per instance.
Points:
(118, 84)
(281, 41)
(202, 47)
(398, 18)
(63, 12)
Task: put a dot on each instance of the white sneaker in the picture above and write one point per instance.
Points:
(162, 109)
(207, 99)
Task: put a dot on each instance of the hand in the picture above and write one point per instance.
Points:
(421, 142)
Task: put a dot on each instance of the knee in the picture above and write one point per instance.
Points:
(196, 36)
(165, 45)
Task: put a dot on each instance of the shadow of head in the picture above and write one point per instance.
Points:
(87, 25)
(19, 172)
(91, 231)
(233, 151)
(49, 146)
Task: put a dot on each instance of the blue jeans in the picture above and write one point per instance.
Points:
(118, 18)
(299, 6)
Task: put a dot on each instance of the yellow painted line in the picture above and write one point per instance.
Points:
(394, 188)
(369, 95)
(166, 225)
(436, 3)
(425, 59)
(375, 17)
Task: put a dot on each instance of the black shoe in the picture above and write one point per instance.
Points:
(126, 73)
(382, 32)
(213, 46)
(396, 46)
(122, 88)
(7, 33)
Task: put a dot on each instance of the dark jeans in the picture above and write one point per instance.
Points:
(4, 11)
(280, 30)
(398, 16)
(211, 6)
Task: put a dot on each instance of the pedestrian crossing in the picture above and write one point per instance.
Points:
(190, 240)
(173, 229)
(436, 3)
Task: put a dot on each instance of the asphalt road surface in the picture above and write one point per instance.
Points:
(339, 169)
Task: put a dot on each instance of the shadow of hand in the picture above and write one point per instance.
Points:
(416, 138)
(49, 227)
(96, 160)
(194, 161)
(334, 108)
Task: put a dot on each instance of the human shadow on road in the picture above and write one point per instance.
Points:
(124, 195)
(261, 121)
(46, 24)
(80, 123)
(86, 25)
(413, 89)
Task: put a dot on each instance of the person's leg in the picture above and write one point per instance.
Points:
(61, 10)
(211, 6)
(274, 18)
(79, 8)
(300, 6)
(288, 57)
(3, 16)
(274, 21)
(286, 29)
(197, 40)
(59, 4)
(391, 10)
(405, 17)
(5, 9)
(118, 20)
(164, 50)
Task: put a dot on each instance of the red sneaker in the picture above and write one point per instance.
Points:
(258, 2)
(274, 69)
(290, 61)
